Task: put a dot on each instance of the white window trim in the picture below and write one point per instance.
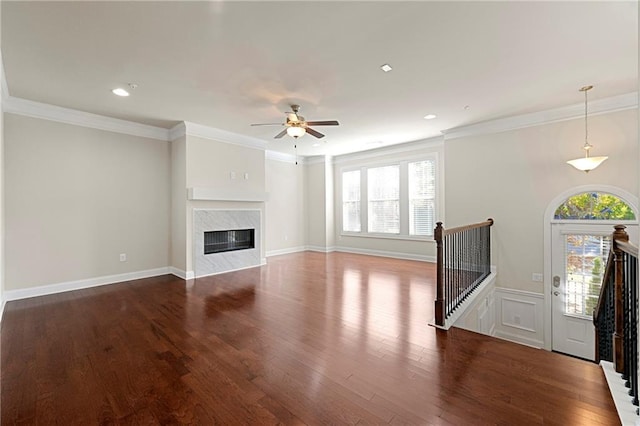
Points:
(404, 198)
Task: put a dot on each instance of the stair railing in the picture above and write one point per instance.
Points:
(616, 314)
(463, 261)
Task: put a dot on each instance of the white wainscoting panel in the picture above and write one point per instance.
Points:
(520, 316)
(479, 314)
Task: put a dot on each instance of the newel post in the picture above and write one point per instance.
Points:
(618, 340)
(439, 304)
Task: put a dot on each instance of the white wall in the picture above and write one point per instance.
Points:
(2, 229)
(285, 210)
(178, 242)
(78, 197)
(315, 199)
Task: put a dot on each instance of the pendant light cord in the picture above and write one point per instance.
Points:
(586, 146)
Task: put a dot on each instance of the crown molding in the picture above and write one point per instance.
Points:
(600, 106)
(80, 118)
(429, 143)
(283, 157)
(177, 131)
(317, 159)
(198, 130)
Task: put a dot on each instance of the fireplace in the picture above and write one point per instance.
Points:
(228, 240)
(225, 240)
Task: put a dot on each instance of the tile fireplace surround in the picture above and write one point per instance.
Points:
(221, 220)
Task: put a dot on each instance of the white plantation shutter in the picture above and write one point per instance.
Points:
(422, 194)
(383, 189)
(351, 201)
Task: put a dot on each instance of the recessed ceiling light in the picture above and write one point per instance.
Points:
(316, 144)
(120, 92)
(430, 116)
(386, 68)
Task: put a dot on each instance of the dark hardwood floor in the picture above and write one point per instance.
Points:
(310, 338)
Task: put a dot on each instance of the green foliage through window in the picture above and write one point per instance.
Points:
(594, 206)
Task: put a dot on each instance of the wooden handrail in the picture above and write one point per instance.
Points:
(445, 232)
(628, 248)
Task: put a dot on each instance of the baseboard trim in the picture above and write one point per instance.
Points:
(285, 251)
(2, 305)
(514, 338)
(185, 275)
(81, 284)
(625, 408)
(320, 249)
(383, 253)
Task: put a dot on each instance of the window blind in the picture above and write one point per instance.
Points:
(422, 194)
(383, 190)
(351, 201)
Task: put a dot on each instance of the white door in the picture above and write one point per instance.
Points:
(579, 256)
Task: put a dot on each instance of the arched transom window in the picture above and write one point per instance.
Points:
(594, 206)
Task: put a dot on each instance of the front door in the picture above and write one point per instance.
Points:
(579, 256)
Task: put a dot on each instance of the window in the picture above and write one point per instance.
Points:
(383, 188)
(594, 206)
(351, 201)
(392, 200)
(585, 257)
(422, 194)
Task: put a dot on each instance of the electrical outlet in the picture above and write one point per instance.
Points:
(536, 277)
(516, 319)
(232, 175)
(123, 257)
(246, 176)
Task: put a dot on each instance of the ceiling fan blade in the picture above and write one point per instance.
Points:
(268, 124)
(281, 134)
(314, 133)
(323, 123)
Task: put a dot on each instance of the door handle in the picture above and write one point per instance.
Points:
(555, 293)
(556, 281)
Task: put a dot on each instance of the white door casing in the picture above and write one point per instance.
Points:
(549, 221)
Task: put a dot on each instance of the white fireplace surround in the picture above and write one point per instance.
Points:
(205, 220)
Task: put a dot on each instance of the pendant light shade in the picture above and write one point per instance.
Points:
(586, 164)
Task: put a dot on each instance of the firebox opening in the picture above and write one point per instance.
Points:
(229, 240)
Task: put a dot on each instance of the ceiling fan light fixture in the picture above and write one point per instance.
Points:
(295, 131)
(586, 164)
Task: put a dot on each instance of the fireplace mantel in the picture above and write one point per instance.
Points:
(213, 194)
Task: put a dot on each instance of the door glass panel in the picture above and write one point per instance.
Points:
(585, 258)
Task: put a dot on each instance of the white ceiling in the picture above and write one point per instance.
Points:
(229, 64)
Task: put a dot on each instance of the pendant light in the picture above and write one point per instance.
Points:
(586, 164)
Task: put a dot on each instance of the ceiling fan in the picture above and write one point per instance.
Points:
(297, 126)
